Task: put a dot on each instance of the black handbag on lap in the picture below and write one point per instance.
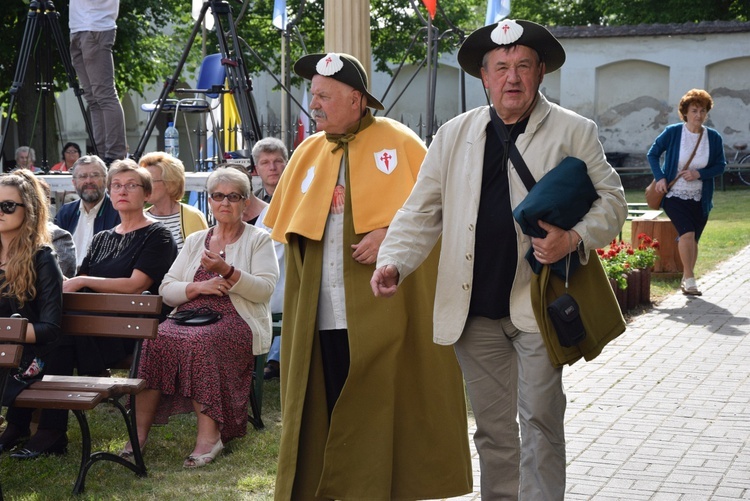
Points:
(196, 316)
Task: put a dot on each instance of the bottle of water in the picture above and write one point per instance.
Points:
(172, 140)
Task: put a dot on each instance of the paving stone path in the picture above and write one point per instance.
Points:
(664, 412)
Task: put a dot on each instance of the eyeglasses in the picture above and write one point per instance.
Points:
(70, 152)
(9, 206)
(93, 176)
(128, 187)
(218, 196)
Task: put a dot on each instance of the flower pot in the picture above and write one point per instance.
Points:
(633, 292)
(646, 286)
(620, 294)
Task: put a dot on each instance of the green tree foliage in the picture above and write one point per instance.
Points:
(628, 12)
(394, 25)
(146, 49)
(153, 33)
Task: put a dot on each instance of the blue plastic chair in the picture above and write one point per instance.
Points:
(211, 76)
(210, 85)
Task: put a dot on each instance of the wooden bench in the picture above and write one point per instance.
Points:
(130, 316)
(640, 210)
(634, 171)
(732, 168)
(107, 315)
(12, 332)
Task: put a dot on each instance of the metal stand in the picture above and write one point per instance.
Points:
(433, 40)
(42, 13)
(240, 85)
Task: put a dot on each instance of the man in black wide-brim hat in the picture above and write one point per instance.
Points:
(466, 191)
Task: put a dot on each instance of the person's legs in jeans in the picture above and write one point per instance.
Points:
(541, 412)
(91, 54)
(489, 365)
(271, 370)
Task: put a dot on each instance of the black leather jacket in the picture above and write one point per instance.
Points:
(44, 312)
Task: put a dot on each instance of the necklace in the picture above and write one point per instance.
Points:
(222, 243)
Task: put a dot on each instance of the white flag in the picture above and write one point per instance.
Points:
(208, 21)
(303, 114)
(497, 10)
(279, 14)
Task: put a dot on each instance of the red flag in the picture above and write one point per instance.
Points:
(431, 7)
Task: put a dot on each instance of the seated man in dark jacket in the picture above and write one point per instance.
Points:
(94, 209)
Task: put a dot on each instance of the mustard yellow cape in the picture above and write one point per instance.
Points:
(307, 184)
(399, 429)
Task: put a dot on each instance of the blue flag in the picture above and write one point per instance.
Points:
(497, 10)
(279, 14)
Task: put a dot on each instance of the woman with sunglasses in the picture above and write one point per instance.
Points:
(168, 178)
(254, 206)
(230, 268)
(130, 258)
(31, 286)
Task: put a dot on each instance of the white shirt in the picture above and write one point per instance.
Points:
(690, 190)
(331, 302)
(84, 232)
(93, 15)
(277, 298)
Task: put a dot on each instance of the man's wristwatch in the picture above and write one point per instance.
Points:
(581, 250)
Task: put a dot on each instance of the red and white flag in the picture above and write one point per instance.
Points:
(303, 122)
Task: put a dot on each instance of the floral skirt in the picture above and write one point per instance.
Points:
(210, 364)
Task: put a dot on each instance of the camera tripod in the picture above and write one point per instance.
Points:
(240, 85)
(42, 13)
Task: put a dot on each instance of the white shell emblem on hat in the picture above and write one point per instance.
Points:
(386, 160)
(330, 64)
(506, 32)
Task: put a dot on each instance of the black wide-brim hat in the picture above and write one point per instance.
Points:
(507, 33)
(339, 66)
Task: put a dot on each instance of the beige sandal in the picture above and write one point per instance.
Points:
(203, 459)
(690, 288)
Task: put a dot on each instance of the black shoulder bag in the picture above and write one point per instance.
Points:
(563, 312)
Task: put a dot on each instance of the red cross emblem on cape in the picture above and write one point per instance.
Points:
(386, 160)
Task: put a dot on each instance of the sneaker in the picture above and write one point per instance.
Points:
(690, 288)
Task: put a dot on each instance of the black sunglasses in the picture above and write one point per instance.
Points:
(9, 206)
(218, 196)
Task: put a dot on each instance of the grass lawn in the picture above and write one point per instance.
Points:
(247, 468)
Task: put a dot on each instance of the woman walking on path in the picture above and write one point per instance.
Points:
(693, 157)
